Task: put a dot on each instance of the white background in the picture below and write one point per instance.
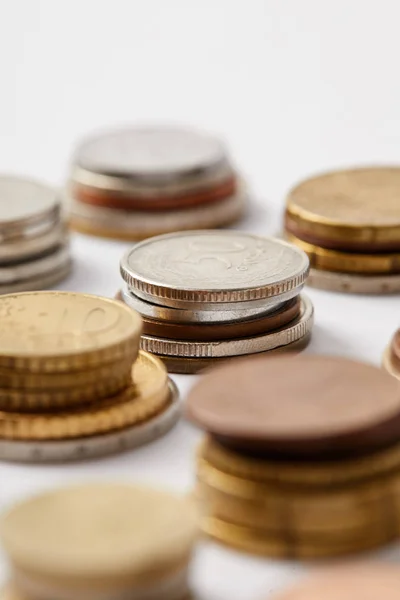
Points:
(295, 87)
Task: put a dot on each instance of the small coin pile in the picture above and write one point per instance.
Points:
(72, 385)
(136, 183)
(34, 246)
(206, 296)
(99, 541)
(348, 222)
(391, 356)
(302, 456)
(362, 581)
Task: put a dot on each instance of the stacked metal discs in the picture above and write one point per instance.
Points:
(135, 183)
(302, 457)
(205, 296)
(34, 247)
(391, 356)
(348, 222)
(71, 382)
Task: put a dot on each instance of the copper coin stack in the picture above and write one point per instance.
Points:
(135, 183)
(34, 242)
(302, 455)
(348, 222)
(208, 296)
(73, 384)
(391, 356)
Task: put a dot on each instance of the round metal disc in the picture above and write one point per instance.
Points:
(354, 284)
(24, 202)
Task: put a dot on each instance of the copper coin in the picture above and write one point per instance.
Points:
(220, 331)
(306, 406)
(360, 581)
(108, 199)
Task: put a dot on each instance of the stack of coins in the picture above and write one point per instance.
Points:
(206, 296)
(70, 384)
(135, 183)
(100, 541)
(348, 222)
(391, 356)
(365, 581)
(302, 457)
(34, 248)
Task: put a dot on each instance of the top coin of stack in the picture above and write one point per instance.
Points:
(207, 295)
(348, 222)
(34, 249)
(135, 183)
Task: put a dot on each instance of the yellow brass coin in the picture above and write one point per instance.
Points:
(65, 331)
(347, 262)
(140, 401)
(359, 206)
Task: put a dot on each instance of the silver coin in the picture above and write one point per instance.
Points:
(298, 329)
(43, 282)
(36, 268)
(25, 203)
(138, 225)
(180, 315)
(31, 246)
(210, 269)
(151, 154)
(97, 445)
(354, 284)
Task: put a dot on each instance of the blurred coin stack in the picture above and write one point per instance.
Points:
(348, 222)
(302, 457)
(391, 356)
(34, 246)
(71, 383)
(206, 296)
(99, 542)
(136, 183)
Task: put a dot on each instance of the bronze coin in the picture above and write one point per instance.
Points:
(113, 199)
(357, 581)
(218, 331)
(306, 406)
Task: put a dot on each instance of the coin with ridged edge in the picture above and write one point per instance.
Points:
(65, 331)
(208, 267)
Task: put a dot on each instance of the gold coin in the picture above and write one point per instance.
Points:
(139, 402)
(389, 364)
(301, 474)
(347, 262)
(354, 209)
(65, 331)
(255, 542)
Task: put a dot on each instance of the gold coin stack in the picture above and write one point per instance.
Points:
(348, 222)
(299, 471)
(391, 356)
(100, 541)
(71, 382)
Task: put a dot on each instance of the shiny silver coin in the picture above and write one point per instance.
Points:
(295, 331)
(155, 155)
(354, 284)
(27, 247)
(36, 268)
(180, 315)
(212, 270)
(138, 225)
(97, 445)
(43, 282)
(25, 204)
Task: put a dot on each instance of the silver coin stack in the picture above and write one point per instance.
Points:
(34, 248)
(207, 296)
(136, 183)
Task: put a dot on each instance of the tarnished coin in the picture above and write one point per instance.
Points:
(348, 210)
(25, 204)
(207, 269)
(95, 446)
(287, 334)
(305, 406)
(352, 283)
(65, 331)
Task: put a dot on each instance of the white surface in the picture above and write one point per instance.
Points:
(295, 87)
